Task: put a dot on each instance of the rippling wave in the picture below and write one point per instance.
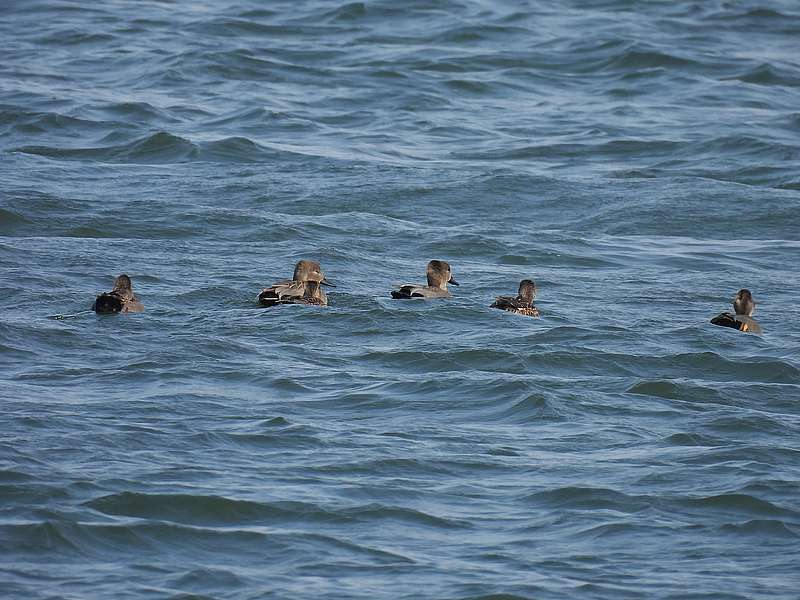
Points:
(638, 160)
(163, 148)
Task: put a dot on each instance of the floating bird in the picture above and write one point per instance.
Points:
(439, 275)
(743, 306)
(522, 304)
(304, 287)
(121, 299)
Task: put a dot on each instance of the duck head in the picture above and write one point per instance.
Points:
(527, 291)
(743, 303)
(123, 287)
(439, 274)
(310, 270)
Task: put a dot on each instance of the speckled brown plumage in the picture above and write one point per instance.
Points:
(522, 303)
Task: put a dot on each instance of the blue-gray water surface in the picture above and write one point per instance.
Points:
(638, 160)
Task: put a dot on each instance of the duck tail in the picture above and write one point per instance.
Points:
(107, 304)
(268, 298)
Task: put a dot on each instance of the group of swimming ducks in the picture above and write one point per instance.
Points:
(305, 287)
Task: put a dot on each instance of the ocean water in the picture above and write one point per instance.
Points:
(639, 160)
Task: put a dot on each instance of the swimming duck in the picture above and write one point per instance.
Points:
(743, 303)
(522, 304)
(304, 288)
(121, 299)
(439, 275)
(743, 306)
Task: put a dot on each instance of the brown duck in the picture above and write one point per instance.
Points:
(303, 288)
(743, 306)
(522, 304)
(121, 299)
(438, 274)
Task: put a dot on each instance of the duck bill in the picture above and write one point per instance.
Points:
(326, 282)
(453, 281)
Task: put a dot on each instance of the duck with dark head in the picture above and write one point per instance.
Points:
(522, 303)
(303, 288)
(743, 307)
(438, 274)
(120, 299)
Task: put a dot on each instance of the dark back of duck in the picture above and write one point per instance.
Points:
(740, 322)
(108, 304)
(404, 293)
(268, 298)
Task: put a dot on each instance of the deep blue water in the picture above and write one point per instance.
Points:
(639, 160)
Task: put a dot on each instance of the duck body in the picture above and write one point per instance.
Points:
(410, 290)
(522, 303)
(514, 305)
(120, 299)
(292, 292)
(303, 288)
(740, 322)
(439, 275)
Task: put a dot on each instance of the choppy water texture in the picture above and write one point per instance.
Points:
(639, 160)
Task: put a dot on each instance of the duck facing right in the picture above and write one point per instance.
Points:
(303, 288)
(438, 274)
(522, 303)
